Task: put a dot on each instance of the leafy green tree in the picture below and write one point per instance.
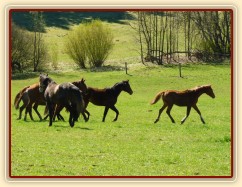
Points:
(20, 48)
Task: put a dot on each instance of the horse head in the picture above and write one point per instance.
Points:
(81, 85)
(209, 91)
(126, 87)
(44, 80)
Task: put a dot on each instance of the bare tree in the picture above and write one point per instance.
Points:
(39, 47)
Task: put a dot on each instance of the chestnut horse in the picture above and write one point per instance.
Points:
(66, 94)
(107, 97)
(29, 95)
(186, 98)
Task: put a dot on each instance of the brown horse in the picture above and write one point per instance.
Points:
(29, 95)
(66, 94)
(107, 97)
(186, 98)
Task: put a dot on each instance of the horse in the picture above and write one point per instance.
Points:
(65, 94)
(188, 98)
(107, 97)
(83, 87)
(29, 95)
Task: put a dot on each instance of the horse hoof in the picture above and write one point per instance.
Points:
(156, 121)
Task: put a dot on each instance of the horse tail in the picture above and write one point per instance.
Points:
(78, 104)
(157, 98)
(46, 112)
(18, 97)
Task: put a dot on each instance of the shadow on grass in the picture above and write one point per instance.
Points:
(78, 127)
(64, 19)
(107, 68)
(23, 76)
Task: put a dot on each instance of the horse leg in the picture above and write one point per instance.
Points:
(20, 111)
(84, 116)
(117, 112)
(29, 110)
(188, 112)
(51, 112)
(160, 111)
(198, 111)
(35, 107)
(88, 114)
(60, 117)
(71, 120)
(105, 113)
(168, 111)
(58, 109)
(46, 116)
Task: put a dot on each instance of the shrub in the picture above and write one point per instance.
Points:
(20, 49)
(90, 41)
(75, 46)
(99, 42)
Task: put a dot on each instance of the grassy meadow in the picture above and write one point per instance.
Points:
(134, 145)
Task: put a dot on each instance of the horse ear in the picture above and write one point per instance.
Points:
(47, 75)
(83, 80)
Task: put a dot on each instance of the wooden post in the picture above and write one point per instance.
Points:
(126, 68)
(180, 70)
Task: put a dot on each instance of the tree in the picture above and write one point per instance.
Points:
(206, 34)
(39, 47)
(20, 48)
(214, 29)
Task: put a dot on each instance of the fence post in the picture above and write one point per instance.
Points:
(180, 70)
(126, 68)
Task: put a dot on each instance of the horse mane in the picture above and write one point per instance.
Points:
(197, 88)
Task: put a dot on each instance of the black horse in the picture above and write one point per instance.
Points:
(107, 97)
(66, 94)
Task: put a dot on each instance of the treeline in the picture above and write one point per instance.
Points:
(88, 45)
(166, 36)
(28, 49)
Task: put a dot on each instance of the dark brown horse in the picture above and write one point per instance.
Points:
(66, 94)
(107, 97)
(186, 98)
(83, 87)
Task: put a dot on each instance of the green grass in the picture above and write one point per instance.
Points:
(134, 145)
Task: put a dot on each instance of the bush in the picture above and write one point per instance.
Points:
(99, 42)
(90, 41)
(21, 49)
(75, 46)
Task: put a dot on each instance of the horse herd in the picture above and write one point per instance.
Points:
(75, 97)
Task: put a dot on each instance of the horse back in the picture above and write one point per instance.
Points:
(184, 98)
(34, 93)
(66, 92)
(101, 97)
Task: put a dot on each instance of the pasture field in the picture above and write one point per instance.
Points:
(134, 145)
